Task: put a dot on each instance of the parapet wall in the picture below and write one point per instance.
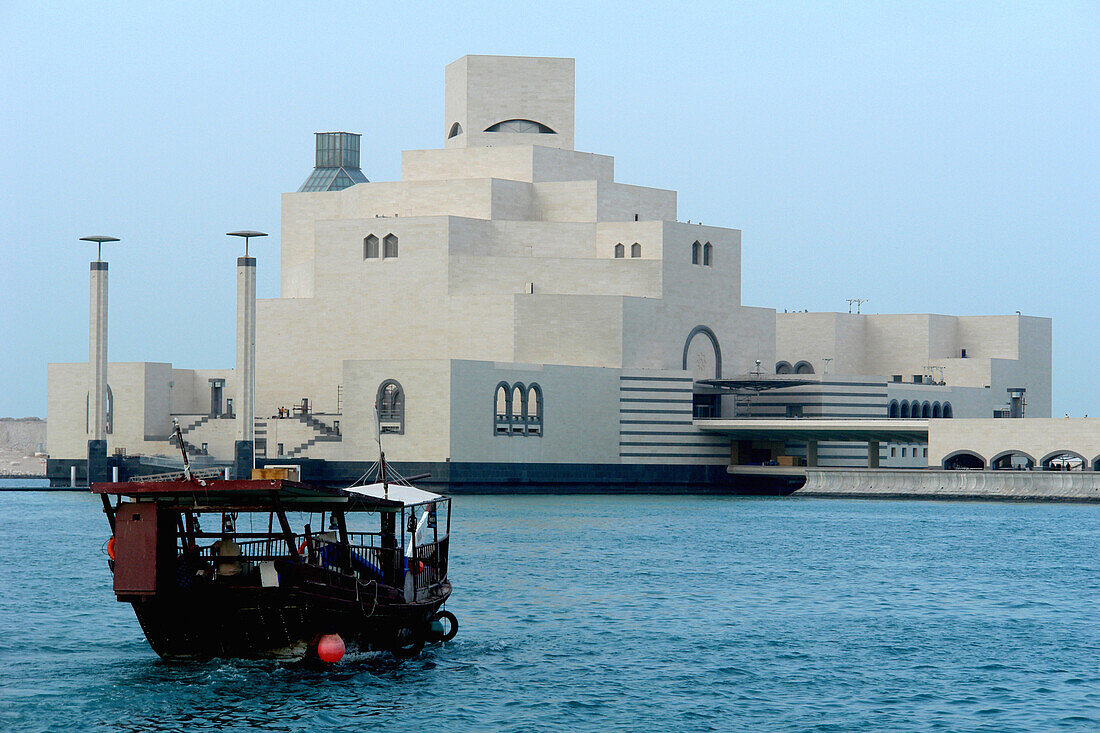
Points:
(941, 484)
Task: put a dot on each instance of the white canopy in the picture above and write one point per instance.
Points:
(407, 495)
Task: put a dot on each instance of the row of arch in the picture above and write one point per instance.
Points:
(1018, 460)
(371, 250)
(620, 250)
(916, 408)
(517, 409)
(702, 254)
(801, 367)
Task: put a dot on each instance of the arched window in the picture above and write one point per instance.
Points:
(370, 247)
(502, 409)
(702, 354)
(456, 130)
(389, 246)
(635, 250)
(803, 367)
(926, 411)
(534, 410)
(783, 367)
(696, 253)
(937, 409)
(904, 408)
(390, 404)
(708, 250)
(519, 409)
(522, 126)
(895, 409)
(619, 251)
(947, 411)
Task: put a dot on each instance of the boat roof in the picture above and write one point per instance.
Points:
(263, 494)
(407, 495)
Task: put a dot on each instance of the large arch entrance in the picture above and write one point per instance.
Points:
(963, 459)
(1012, 460)
(1063, 460)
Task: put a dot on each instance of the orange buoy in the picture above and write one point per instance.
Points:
(330, 648)
(111, 547)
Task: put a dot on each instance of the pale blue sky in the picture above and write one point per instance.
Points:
(929, 156)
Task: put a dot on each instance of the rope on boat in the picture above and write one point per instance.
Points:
(358, 600)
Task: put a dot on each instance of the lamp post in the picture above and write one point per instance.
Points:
(97, 363)
(244, 451)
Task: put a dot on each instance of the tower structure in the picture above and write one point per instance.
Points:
(245, 445)
(97, 364)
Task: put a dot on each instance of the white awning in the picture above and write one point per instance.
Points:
(407, 495)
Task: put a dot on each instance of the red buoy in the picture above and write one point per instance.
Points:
(111, 547)
(330, 648)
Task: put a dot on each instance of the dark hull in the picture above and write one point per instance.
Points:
(285, 623)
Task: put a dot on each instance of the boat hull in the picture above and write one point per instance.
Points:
(257, 623)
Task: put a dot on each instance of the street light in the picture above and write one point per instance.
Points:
(247, 234)
(99, 239)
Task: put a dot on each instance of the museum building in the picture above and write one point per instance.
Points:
(509, 315)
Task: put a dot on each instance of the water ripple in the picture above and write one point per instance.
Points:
(619, 613)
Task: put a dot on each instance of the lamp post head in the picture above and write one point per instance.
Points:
(247, 234)
(99, 239)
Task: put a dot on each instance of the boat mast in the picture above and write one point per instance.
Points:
(183, 449)
(381, 454)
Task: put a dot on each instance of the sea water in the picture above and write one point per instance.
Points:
(599, 613)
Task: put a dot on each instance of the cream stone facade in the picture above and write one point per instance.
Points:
(509, 313)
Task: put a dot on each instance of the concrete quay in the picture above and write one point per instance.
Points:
(985, 485)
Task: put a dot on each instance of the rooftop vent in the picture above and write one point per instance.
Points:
(337, 165)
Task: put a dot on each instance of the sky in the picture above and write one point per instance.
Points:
(929, 157)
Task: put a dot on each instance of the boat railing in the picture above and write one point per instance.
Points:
(429, 564)
(363, 557)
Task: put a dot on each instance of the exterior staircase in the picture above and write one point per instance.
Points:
(324, 434)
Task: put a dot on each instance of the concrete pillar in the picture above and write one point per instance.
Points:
(811, 454)
(244, 448)
(97, 374)
(872, 454)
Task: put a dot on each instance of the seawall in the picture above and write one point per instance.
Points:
(925, 483)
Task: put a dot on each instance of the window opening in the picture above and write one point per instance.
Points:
(389, 246)
(391, 407)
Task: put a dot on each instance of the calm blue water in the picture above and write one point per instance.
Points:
(618, 613)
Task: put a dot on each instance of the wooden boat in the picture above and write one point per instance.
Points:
(370, 575)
